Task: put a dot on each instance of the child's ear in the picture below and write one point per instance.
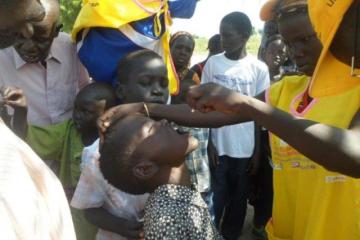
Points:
(145, 170)
(120, 91)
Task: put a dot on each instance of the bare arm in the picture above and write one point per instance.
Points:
(334, 148)
(183, 115)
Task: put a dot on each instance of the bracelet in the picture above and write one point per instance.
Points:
(146, 109)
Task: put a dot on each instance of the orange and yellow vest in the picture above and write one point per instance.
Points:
(311, 203)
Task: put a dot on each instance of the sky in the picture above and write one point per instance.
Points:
(209, 13)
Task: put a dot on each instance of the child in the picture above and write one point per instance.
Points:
(65, 141)
(247, 75)
(142, 77)
(149, 158)
(315, 150)
(214, 47)
(275, 56)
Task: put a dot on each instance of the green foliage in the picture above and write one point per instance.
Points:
(252, 46)
(69, 12)
(200, 45)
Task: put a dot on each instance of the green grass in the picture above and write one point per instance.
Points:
(252, 45)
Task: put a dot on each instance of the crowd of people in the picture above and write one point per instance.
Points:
(110, 133)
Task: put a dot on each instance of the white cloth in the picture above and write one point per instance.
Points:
(93, 191)
(32, 201)
(248, 76)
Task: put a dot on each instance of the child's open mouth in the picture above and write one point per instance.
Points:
(180, 130)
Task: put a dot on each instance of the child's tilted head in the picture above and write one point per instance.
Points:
(138, 153)
(90, 103)
(142, 77)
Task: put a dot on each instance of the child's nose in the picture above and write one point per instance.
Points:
(164, 122)
(156, 89)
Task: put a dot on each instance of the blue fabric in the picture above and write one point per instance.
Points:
(101, 51)
(102, 48)
(146, 26)
(230, 186)
(182, 8)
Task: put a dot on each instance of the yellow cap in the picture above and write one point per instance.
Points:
(272, 7)
(267, 11)
(326, 17)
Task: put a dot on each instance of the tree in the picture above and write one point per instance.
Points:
(69, 12)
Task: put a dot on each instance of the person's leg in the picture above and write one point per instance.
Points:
(263, 203)
(236, 211)
(208, 198)
(220, 188)
(264, 198)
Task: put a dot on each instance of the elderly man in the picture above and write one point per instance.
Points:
(33, 204)
(17, 17)
(45, 66)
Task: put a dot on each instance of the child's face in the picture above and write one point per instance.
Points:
(158, 142)
(148, 82)
(181, 51)
(270, 28)
(231, 40)
(301, 39)
(276, 54)
(86, 112)
(18, 20)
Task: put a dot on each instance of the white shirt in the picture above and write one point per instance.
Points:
(93, 191)
(32, 201)
(50, 91)
(247, 76)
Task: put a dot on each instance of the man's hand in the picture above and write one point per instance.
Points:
(213, 97)
(132, 229)
(14, 97)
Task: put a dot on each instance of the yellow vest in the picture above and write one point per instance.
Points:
(117, 13)
(311, 203)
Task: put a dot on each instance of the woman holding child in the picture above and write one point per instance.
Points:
(317, 160)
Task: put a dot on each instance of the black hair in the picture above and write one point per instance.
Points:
(99, 91)
(116, 162)
(10, 3)
(180, 34)
(214, 43)
(131, 60)
(273, 38)
(240, 21)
